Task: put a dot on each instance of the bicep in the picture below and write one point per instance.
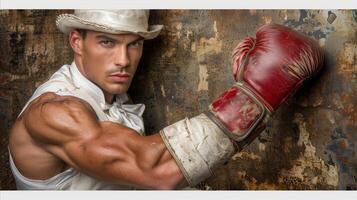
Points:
(53, 119)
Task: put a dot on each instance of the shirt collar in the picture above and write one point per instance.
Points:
(93, 90)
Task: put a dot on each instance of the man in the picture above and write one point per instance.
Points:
(76, 132)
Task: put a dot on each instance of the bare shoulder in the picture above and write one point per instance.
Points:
(53, 102)
(54, 118)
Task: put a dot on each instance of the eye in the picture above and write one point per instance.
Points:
(107, 43)
(136, 44)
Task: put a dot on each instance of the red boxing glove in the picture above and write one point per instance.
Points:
(268, 70)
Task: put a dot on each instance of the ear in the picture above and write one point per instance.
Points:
(76, 41)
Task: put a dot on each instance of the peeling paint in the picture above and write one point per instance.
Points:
(163, 91)
(207, 46)
(215, 29)
(322, 42)
(261, 146)
(348, 58)
(169, 52)
(344, 23)
(267, 19)
(172, 39)
(203, 78)
(246, 155)
(251, 182)
(178, 28)
(308, 160)
(193, 46)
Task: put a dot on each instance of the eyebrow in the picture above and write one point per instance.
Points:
(138, 40)
(106, 37)
(103, 36)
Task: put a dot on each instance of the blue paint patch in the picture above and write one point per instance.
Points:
(342, 154)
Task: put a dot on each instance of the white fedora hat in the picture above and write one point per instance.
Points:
(109, 21)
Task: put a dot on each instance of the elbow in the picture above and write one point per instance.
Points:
(167, 179)
(164, 185)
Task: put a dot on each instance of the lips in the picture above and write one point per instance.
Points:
(120, 78)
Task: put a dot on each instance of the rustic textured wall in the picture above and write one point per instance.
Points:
(31, 49)
(310, 143)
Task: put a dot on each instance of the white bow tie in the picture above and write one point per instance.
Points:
(129, 115)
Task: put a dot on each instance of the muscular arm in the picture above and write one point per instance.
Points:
(69, 129)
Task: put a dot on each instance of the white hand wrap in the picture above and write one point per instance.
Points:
(198, 146)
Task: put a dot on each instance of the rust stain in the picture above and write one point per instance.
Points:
(347, 58)
(208, 46)
(287, 144)
(267, 19)
(173, 35)
(244, 155)
(343, 144)
(252, 182)
(253, 12)
(344, 23)
(308, 160)
(289, 14)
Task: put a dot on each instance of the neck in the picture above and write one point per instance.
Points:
(109, 98)
(79, 65)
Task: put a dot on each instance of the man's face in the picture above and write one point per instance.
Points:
(109, 60)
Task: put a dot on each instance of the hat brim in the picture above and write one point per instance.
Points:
(68, 22)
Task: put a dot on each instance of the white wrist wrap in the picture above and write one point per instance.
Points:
(198, 146)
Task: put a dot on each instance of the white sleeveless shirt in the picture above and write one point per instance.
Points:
(69, 81)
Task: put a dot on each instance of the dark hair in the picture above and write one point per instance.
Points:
(82, 32)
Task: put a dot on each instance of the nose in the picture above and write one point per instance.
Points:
(121, 57)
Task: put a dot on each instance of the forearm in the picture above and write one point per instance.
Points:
(160, 164)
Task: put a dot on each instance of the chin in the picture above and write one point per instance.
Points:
(117, 89)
